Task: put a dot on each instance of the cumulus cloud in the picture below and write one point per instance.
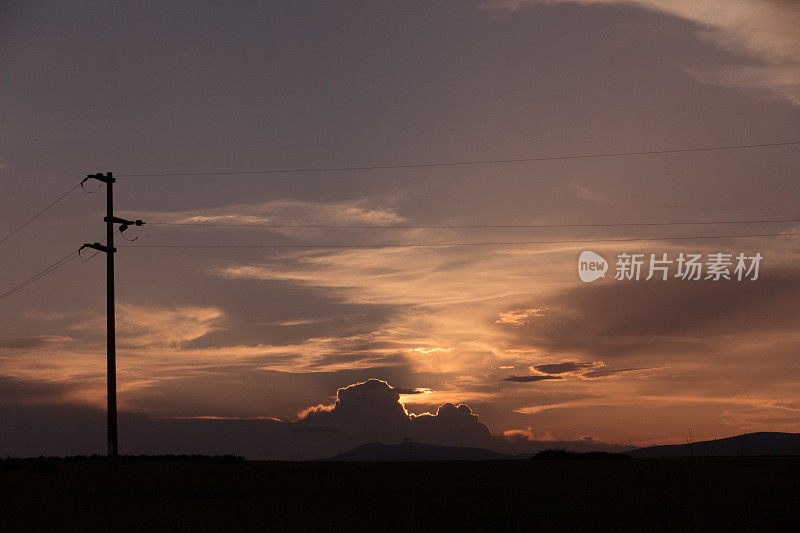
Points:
(765, 32)
(372, 408)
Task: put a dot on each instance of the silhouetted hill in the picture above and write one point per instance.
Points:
(763, 443)
(375, 451)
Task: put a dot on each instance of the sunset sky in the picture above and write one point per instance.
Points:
(244, 349)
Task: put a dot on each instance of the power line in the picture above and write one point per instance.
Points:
(34, 217)
(463, 163)
(55, 266)
(487, 243)
(476, 226)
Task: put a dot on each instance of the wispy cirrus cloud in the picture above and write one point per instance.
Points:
(585, 193)
(285, 212)
(29, 343)
(148, 326)
(459, 316)
(765, 32)
(519, 317)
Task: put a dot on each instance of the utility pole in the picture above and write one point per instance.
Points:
(111, 357)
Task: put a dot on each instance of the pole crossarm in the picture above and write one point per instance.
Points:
(99, 177)
(99, 247)
(124, 221)
(124, 224)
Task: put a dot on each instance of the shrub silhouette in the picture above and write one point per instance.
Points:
(559, 454)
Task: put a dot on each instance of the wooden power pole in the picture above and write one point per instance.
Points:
(111, 358)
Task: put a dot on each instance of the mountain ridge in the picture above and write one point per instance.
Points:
(762, 443)
(747, 444)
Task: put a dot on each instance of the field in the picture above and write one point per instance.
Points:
(195, 494)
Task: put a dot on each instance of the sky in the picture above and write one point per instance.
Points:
(303, 352)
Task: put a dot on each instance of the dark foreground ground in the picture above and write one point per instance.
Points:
(749, 493)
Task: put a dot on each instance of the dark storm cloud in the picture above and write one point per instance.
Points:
(529, 379)
(15, 391)
(613, 319)
(30, 343)
(562, 368)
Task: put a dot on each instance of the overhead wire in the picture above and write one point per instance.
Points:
(444, 244)
(55, 266)
(462, 163)
(38, 214)
(475, 226)
(72, 255)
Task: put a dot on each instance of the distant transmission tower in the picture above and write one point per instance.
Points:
(408, 449)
